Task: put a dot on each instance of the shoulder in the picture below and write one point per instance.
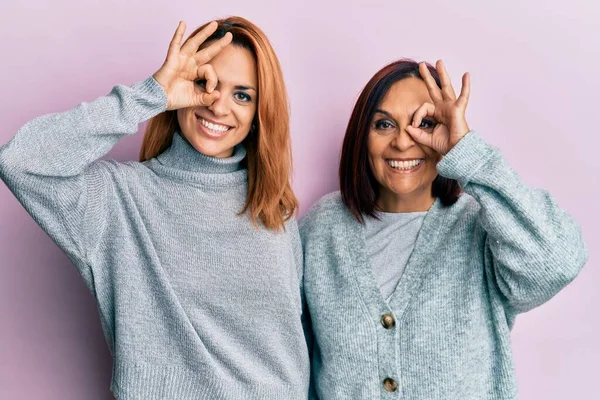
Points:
(291, 228)
(328, 206)
(106, 177)
(466, 205)
(327, 212)
(464, 214)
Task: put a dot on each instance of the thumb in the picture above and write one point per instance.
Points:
(420, 136)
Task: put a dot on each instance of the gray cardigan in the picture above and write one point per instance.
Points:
(194, 301)
(500, 250)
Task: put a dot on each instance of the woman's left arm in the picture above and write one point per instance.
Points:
(535, 247)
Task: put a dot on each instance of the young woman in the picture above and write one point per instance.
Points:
(416, 269)
(192, 254)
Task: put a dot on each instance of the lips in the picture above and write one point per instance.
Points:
(212, 128)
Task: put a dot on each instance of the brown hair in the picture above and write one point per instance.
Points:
(270, 197)
(359, 188)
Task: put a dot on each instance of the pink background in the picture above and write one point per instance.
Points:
(535, 86)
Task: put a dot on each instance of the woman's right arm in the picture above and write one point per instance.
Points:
(48, 164)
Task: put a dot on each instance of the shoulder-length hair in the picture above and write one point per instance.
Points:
(359, 188)
(270, 197)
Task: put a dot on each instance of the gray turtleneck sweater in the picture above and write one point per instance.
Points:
(195, 303)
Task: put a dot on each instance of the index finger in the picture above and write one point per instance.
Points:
(175, 44)
(432, 87)
(191, 46)
(206, 54)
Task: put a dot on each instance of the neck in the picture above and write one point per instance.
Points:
(403, 203)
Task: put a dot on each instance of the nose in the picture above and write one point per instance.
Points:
(220, 107)
(403, 141)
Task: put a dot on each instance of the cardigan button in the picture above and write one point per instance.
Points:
(390, 385)
(388, 321)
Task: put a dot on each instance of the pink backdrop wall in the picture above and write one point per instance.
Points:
(535, 86)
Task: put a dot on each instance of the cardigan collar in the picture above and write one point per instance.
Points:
(436, 226)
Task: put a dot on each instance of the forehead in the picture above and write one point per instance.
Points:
(235, 65)
(406, 94)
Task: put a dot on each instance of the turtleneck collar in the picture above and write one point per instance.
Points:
(183, 161)
(182, 155)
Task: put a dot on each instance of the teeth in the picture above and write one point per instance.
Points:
(214, 127)
(404, 165)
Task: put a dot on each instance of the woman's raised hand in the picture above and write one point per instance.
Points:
(185, 65)
(446, 109)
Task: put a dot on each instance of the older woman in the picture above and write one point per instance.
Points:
(192, 254)
(416, 269)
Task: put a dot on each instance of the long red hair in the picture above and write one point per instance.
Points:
(270, 197)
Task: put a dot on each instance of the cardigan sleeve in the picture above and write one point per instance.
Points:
(533, 248)
(50, 167)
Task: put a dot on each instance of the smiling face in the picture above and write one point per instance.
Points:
(404, 169)
(217, 129)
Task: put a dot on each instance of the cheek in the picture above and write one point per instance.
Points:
(245, 116)
(372, 156)
(373, 168)
(432, 155)
(184, 118)
(376, 147)
(180, 117)
(431, 171)
(432, 159)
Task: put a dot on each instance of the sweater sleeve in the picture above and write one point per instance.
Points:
(533, 248)
(50, 165)
(299, 259)
(306, 322)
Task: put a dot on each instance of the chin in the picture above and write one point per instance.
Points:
(213, 147)
(216, 152)
(403, 187)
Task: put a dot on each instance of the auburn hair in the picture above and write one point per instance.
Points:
(358, 187)
(270, 199)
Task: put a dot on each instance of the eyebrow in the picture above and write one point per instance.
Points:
(386, 113)
(242, 87)
(379, 110)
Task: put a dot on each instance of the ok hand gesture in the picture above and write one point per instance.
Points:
(446, 109)
(184, 65)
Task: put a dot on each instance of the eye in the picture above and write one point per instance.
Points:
(242, 97)
(383, 124)
(427, 124)
(201, 83)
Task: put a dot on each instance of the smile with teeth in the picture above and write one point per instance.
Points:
(216, 128)
(405, 165)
